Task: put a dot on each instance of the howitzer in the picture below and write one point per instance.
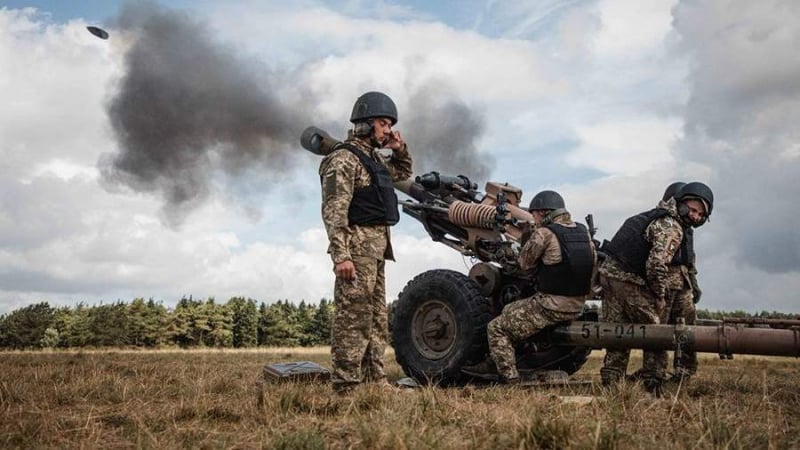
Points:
(440, 317)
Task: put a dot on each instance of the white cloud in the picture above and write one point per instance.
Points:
(627, 147)
(630, 27)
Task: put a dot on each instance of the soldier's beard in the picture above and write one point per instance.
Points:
(378, 143)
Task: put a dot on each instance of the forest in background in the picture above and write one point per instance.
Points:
(238, 323)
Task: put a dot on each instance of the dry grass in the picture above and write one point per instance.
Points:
(211, 399)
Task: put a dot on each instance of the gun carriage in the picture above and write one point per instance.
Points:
(440, 317)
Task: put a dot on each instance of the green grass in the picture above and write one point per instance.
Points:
(214, 399)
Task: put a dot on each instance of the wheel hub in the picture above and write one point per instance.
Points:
(434, 329)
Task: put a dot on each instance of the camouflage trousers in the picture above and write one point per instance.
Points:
(360, 325)
(682, 305)
(625, 302)
(519, 321)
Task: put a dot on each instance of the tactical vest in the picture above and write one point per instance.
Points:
(631, 249)
(573, 275)
(375, 204)
(685, 254)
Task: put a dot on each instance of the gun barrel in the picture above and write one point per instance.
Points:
(725, 339)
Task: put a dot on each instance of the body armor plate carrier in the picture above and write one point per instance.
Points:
(631, 249)
(375, 204)
(573, 275)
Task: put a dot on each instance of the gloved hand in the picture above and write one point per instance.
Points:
(696, 292)
(527, 230)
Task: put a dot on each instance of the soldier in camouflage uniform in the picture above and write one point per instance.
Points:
(358, 206)
(636, 277)
(563, 257)
(684, 292)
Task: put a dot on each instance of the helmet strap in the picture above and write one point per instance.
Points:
(552, 214)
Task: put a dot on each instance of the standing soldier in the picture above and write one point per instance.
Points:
(563, 257)
(637, 278)
(358, 207)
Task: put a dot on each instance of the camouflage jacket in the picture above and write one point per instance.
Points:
(340, 173)
(543, 247)
(665, 235)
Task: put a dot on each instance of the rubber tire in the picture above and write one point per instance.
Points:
(471, 310)
(568, 359)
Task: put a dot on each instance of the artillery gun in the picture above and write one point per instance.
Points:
(440, 317)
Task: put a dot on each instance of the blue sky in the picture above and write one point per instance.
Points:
(605, 101)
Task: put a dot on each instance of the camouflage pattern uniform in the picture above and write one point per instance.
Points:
(629, 298)
(681, 304)
(526, 317)
(359, 332)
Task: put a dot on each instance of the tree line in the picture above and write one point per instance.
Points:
(238, 323)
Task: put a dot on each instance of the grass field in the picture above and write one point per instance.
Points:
(212, 399)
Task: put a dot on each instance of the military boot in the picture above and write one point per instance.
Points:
(654, 386)
(484, 370)
(679, 377)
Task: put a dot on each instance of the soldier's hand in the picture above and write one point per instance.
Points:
(346, 270)
(527, 230)
(396, 141)
(697, 293)
(661, 303)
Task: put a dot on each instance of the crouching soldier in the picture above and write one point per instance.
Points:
(635, 276)
(562, 256)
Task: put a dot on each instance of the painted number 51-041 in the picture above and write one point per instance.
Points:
(619, 331)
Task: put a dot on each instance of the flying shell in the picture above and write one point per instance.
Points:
(99, 32)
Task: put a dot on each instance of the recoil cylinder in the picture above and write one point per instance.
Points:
(472, 215)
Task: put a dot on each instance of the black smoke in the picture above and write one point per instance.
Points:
(443, 132)
(192, 115)
(187, 105)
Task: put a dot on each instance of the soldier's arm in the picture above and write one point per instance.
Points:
(533, 250)
(337, 175)
(399, 164)
(665, 235)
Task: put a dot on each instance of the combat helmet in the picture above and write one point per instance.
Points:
(546, 200)
(672, 190)
(550, 201)
(699, 191)
(372, 105)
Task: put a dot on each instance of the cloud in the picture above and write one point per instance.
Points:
(741, 122)
(606, 106)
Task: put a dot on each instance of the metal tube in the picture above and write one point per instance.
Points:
(725, 339)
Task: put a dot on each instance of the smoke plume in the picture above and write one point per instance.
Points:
(190, 110)
(442, 132)
(187, 101)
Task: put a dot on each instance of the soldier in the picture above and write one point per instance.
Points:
(639, 274)
(358, 207)
(562, 256)
(684, 292)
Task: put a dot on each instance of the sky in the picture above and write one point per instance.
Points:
(165, 162)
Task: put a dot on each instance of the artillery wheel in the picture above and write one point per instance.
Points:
(544, 356)
(439, 326)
